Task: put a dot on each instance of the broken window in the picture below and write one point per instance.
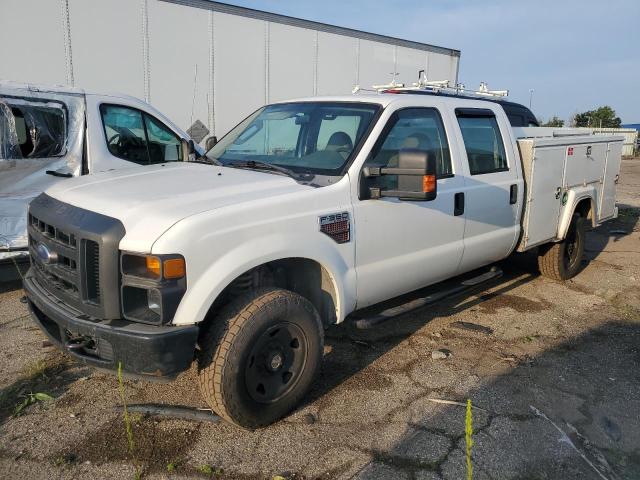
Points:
(32, 130)
(9, 143)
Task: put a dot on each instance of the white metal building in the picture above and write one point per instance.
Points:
(199, 59)
(630, 138)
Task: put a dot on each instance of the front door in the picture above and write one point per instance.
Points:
(405, 245)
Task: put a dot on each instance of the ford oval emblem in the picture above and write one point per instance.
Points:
(45, 255)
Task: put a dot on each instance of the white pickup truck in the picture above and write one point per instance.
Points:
(305, 212)
(51, 133)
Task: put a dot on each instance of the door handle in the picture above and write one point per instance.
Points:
(513, 194)
(458, 204)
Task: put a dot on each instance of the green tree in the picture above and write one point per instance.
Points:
(602, 117)
(554, 122)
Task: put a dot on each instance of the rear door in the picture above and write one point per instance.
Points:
(493, 186)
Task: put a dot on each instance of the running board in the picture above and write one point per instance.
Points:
(464, 286)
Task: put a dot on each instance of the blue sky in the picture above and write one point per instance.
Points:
(576, 55)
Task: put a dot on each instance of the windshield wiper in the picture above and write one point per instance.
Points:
(257, 164)
(207, 161)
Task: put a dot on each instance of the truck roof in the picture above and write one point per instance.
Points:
(518, 114)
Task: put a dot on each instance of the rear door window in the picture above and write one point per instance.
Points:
(482, 141)
(138, 137)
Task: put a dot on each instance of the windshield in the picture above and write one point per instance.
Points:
(305, 137)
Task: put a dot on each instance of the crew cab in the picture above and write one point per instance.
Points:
(305, 212)
(51, 133)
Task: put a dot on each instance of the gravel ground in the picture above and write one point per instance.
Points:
(551, 369)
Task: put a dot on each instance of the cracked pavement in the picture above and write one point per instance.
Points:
(553, 377)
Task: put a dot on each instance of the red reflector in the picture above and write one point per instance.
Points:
(570, 151)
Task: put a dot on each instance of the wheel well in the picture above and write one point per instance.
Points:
(584, 209)
(303, 276)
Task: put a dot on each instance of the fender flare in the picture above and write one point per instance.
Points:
(575, 196)
(207, 287)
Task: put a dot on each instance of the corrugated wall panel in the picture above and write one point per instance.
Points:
(409, 62)
(376, 63)
(26, 56)
(337, 64)
(107, 45)
(239, 68)
(179, 64)
(441, 67)
(292, 56)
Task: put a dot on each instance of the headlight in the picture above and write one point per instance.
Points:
(167, 267)
(152, 286)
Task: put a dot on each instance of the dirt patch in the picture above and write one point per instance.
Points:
(157, 443)
(43, 376)
(472, 327)
(492, 302)
(368, 379)
(70, 399)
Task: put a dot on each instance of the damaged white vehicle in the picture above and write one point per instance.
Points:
(48, 134)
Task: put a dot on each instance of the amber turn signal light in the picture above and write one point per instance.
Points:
(153, 266)
(428, 183)
(170, 269)
(174, 268)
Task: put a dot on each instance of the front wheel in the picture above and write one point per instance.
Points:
(562, 260)
(260, 356)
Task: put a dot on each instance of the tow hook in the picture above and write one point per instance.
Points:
(78, 344)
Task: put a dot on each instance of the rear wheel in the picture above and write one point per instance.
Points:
(562, 260)
(260, 356)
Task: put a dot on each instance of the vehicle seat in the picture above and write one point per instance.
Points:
(341, 143)
(415, 140)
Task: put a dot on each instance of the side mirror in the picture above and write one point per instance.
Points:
(211, 142)
(416, 173)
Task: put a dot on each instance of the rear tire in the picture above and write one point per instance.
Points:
(563, 260)
(260, 356)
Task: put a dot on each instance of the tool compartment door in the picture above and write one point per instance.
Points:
(544, 195)
(585, 164)
(611, 172)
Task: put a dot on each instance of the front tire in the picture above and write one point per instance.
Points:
(563, 260)
(260, 356)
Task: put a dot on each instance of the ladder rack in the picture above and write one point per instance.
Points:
(435, 86)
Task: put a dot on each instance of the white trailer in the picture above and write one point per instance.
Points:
(199, 59)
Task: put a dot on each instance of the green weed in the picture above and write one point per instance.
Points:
(468, 433)
(128, 426)
(30, 399)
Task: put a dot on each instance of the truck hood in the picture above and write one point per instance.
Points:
(149, 200)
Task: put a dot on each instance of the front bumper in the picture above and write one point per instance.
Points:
(149, 351)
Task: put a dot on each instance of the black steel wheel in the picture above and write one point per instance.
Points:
(260, 356)
(276, 361)
(563, 260)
